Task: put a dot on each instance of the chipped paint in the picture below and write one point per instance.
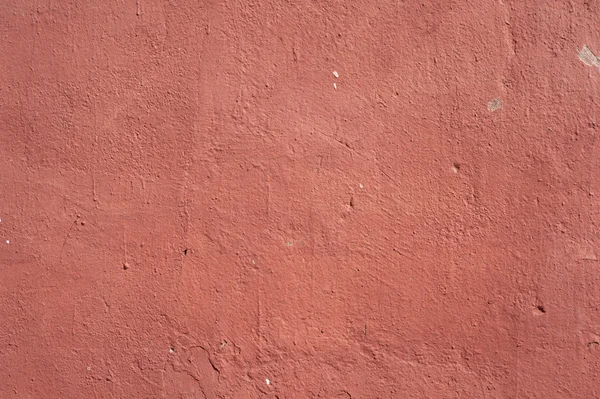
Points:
(495, 104)
(588, 57)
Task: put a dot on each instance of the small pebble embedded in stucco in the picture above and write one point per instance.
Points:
(334, 86)
(494, 105)
(268, 382)
(360, 185)
(8, 241)
(337, 75)
(125, 266)
(171, 350)
(456, 167)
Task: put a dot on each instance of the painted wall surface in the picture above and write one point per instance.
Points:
(299, 199)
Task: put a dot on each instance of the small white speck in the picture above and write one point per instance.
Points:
(171, 350)
(268, 382)
(495, 104)
(89, 368)
(0, 220)
(8, 241)
(337, 75)
(253, 262)
(360, 185)
(334, 86)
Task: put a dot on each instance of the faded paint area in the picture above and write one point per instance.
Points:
(274, 199)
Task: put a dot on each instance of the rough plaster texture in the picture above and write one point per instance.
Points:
(193, 205)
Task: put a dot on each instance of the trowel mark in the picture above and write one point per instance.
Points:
(588, 58)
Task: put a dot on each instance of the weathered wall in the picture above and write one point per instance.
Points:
(192, 205)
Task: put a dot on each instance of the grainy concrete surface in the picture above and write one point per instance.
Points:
(299, 199)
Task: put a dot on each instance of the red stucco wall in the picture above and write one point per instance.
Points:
(194, 205)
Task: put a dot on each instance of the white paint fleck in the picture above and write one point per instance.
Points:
(268, 382)
(494, 105)
(334, 86)
(337, 75)
(360, 185)
(588, 58)
(8, 241)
